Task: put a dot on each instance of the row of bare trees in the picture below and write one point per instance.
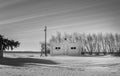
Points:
(92, 43)
(6, 44)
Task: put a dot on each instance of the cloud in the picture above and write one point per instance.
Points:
(28, 17)
(21, 19)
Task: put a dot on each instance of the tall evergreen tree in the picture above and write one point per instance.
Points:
(6, 44)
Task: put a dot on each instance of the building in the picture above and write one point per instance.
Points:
(65, 48)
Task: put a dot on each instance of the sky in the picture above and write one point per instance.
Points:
(24, 20)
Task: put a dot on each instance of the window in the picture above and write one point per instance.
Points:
(57, 48)
(65, 38)
(73, 47)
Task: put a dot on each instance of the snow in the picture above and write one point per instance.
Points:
(58, 65)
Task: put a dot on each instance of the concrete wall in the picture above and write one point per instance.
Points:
(65, 48)
(72, 51)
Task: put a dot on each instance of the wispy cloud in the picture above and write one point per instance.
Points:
(6, 3)
(80, 25)
(21, 19)
(29, 17)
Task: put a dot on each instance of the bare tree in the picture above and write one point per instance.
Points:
(93, 43)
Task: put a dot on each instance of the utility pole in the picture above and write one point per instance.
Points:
(45, 40)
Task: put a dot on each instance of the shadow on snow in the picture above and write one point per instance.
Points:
(23, 61)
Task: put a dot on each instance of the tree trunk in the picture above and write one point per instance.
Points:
(1, 54)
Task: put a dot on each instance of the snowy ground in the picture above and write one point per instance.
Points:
(34, 65)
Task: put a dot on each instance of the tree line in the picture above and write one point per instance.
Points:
(92, 43)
